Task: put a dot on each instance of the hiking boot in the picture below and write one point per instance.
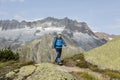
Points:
(60, 63)
(55, 62)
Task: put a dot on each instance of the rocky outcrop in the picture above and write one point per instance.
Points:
(43, 71)
(41, 50)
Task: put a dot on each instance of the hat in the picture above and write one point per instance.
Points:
(59, 33)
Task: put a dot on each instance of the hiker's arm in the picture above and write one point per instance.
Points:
(64, 43)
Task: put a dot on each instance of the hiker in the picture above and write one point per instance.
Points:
(57, 46)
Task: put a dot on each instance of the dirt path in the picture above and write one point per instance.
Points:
(77, 69)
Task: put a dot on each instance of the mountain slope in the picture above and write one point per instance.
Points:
(106, 56)
(41, 50)
(14, 32)
(106, 36)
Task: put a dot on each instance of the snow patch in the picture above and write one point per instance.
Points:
(54, 29)
(47, 24)
(81, 35)
(84, 37)
(27, 33)
(110, 38)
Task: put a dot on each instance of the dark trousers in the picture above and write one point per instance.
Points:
(58, 53)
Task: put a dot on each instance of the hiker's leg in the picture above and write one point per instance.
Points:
(59, 51)
(56, 54)
(59, 54)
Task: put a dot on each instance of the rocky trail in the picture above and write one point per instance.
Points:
(77, 69)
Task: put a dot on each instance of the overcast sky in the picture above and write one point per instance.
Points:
(100, 15)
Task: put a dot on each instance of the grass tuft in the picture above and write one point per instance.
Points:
(86, 76)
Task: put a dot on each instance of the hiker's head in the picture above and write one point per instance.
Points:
(59, 35)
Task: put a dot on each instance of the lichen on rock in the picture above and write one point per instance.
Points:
(43, 71)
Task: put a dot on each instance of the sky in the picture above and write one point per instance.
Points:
(100, 15)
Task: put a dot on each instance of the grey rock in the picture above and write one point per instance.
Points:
(43, 71)
(41, 50)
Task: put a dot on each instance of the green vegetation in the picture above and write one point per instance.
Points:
(86, 76)
(106, 56)
(14, 64)
(112, 74)
(9, 61)
(11, 65)
(7, 54)
(78, 60)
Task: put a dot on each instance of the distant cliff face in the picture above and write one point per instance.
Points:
(41, 50)
(21, 33)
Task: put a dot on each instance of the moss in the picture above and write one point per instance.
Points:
(82, 64)
(80, 61)
(112, 74)
(77, 57)
(86, 76)
(39, 72)
(27, 63)
(8, 63)
(94, 68)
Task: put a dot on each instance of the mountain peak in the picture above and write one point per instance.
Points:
(57, 19)
(66, 18)
(50, 19)
(27, 31)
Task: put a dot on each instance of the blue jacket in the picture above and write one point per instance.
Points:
(58, 43)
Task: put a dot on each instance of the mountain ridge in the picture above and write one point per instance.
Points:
(106, 36)
(17, 33)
